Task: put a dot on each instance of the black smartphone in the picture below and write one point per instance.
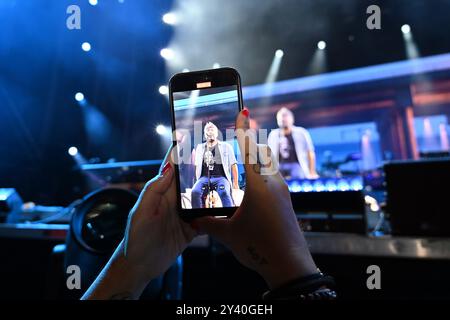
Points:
(209, 178)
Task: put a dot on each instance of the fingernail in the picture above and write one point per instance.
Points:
(166, 168)
(245, 112)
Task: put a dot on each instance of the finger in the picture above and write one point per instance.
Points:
(267, 161)
(169, 157)
(217, 228)
(161, 182)
(247, 141)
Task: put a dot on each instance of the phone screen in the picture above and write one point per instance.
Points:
(210, 173)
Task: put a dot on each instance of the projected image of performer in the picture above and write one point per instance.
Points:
(215, 170)
(293, 148)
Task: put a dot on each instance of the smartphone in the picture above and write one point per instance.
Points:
(209, 178)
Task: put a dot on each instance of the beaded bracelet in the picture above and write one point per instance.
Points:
(306, 288)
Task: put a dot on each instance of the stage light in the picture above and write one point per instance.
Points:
(167, 53)
(274, 69)
(79, 96)
(93, 2)
(321, 45)
(86, 46)
(279, 53)
(73, 151)
(185, 70)
(163, 90)
(406, 29)
(161, 130)
(170, 18)
(216, 65)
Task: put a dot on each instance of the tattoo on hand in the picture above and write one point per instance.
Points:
(256, 256)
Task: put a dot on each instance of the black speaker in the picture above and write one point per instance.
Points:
(418, 196)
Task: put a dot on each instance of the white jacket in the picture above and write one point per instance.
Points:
(303, 145)
(227, 159)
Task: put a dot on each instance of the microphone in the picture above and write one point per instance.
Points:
(208, 157)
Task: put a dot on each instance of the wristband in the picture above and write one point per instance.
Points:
(305, 288)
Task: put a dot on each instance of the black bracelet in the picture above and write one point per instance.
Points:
(313, 287)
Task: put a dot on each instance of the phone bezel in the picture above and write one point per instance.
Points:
(187, 81)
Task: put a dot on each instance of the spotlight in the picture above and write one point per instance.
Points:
(185, 70)
(216, 65)
(79, 96)
(170, 18)
(279, 53)
(274, 69)
(160, 129)
(163, 90)
(321, 45)
(406, 28)
(86, 46)
(73, 151)
(93, 2)
(167, 53)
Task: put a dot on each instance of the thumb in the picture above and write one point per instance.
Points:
(155, 188)
(162, 181)
(247, 140)
(215, 227)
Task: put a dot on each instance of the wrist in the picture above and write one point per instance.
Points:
(136, 275)
(119, 279)
(287, 269)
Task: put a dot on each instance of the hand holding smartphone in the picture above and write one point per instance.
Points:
(204, 107)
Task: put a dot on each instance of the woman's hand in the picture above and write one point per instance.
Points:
(155, 236)
(264, 233)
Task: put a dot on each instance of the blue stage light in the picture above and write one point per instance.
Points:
(161, 129)
(307, 186)
(321, 45)
(170, 18)
(73, 151)
(295, 187)
(318, 186)
(79, 96)
(331, 186)
(86, 46)
(343, 185)
(356, 185)
(279, 53)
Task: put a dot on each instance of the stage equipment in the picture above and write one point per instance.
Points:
(417, 197)
(335, 211)
(10, 205)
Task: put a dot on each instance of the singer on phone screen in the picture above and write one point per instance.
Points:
(215, 170)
